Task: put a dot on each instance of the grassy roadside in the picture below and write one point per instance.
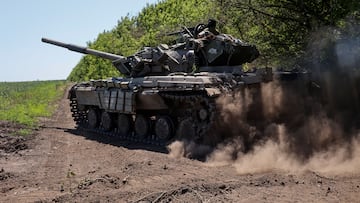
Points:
(24, 102)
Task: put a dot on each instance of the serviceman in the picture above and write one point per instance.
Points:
(210, 31)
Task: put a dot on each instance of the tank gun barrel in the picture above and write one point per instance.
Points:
(83, 50)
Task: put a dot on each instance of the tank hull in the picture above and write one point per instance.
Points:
(160, 108)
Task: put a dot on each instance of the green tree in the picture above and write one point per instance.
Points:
(282, 28)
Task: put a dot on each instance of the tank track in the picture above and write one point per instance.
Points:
(194, 99)
(80, 119)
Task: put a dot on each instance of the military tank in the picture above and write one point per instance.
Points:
(166, 92)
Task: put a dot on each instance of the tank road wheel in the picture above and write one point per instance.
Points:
(142, 126)
(204, 109)
(164, 128)
(93, 118)
(124, 124)
(186, 129)
(203, 114)
(106, 121)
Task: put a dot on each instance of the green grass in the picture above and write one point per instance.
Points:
(25, 102)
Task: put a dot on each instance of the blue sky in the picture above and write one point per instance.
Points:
(23, 57)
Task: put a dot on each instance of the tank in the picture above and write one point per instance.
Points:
(167, 92)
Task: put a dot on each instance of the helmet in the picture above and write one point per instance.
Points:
(211, 23)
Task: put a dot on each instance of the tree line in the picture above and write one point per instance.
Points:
(288, 33)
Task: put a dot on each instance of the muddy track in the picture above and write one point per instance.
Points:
(62, 164)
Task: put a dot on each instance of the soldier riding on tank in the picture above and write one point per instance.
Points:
(209, 31)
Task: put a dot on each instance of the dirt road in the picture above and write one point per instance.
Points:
(60, 164)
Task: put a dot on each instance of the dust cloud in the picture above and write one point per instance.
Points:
(299, 128)
(311, 122)
(188, 149)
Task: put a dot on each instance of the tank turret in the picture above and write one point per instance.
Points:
(216, 52)
(202, 49)
(219, 49)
